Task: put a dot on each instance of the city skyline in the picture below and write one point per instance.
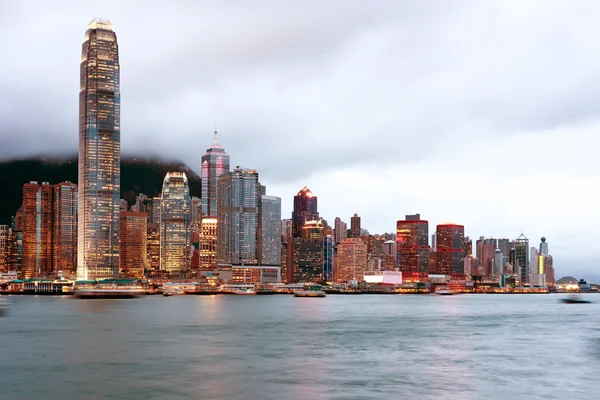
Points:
(485, 203)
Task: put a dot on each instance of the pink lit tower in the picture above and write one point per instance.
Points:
(215, 162)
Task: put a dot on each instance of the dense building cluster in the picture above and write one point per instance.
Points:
(234, 227)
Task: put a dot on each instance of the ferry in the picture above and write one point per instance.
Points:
(446, 292)
(110, 289)
(311, 290)
(245, 292)
(241, 289)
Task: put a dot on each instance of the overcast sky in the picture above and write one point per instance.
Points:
(484, 113)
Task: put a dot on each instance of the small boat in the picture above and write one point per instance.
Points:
(245, 292)
(310, 291)
(446, 292)
(575, 300)
(167, 294)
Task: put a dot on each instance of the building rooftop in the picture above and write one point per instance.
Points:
(100, 23)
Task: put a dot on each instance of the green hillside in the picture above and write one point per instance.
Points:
(138, 175)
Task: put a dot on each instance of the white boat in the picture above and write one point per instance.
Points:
(245, 292)
(446, 292)
(173, 292)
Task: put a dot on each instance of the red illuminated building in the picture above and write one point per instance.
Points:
(412, 249)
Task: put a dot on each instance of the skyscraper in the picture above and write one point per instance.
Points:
(4, 241)
(270, 230)
(238, 197)
(355, 226)
(450, 251)
(175, 217)
(327, 254)
(412, 235)
(37, 229)
(134, 241)
(305, 209)
(215, 162)
(351, 260)
(207, 243)
(340, 230)
(99, 154)
(521, 258)
(64, 231)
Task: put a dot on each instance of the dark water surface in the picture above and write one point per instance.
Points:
(281, 347)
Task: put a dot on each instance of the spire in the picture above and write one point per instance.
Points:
(215, 137)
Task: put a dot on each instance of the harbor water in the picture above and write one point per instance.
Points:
(282, 347)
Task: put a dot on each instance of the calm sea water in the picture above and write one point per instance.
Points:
(281, 347)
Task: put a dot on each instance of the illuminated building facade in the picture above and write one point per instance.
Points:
(215, 162)
(256, 274)
(175, 223)
(207, 244)
(238, 213)
(355, 226)
(5, 234)
(64, 235)
(340, 230)
(450, 251)
(305, 209)
(133, 243)
(155, 215)
(37, 229)
(412, 235)
(351, 260)
(270, 230)
(306, 260)
(153, 246)
(99, 154)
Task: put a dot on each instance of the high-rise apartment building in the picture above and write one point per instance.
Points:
(155, 214)
(327, 255)
(207, 243)
(521, 258)
(412, 235)
(215, 162)
(340, 230)
(5, 234)
(238, 197)
(351, 260)
(305, 209)
(175, 223)
(450, 251)
(153, 246)
(355, 226)
(134, 242)
(99, 154)
(196, 208)
(64, 230)
(37, 229)
(269, 230)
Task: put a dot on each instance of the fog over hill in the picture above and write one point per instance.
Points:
(138, 175)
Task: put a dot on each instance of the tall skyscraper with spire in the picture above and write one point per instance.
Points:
(99, 154)
(215, 162)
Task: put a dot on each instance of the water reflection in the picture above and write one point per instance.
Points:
(270, 347)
